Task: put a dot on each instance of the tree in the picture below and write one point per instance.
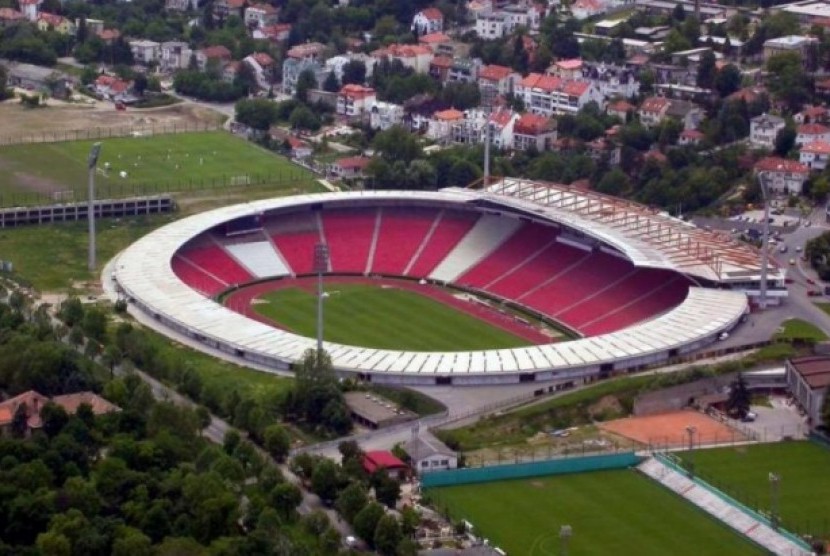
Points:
(54, 418)
(140, 84)
(706, 70)
(354, 71)
(306, 81)
(387, 489)
(71, 311)
(231, 441)
(277, 442)
(132, 542)
(675, 42)
(397, 144)
(728, 80)
(737, 405)
(303, 118)
(258, 113)
(463, 173)
(785, 140)
(20, 421)
(788, 80)
(53, 544)
(331, 84)
(387, 535)
(285, 498)
(325, 480)
(351, 501)
(94, 324)
(366, 521)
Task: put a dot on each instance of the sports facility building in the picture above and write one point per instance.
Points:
(634, 286)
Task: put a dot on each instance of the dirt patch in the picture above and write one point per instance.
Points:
(37, 184)
(672, 429)
(606, 406)
(537, 484)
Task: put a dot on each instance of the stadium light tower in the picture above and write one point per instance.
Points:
(321, 265)
(762, 299)
(92, 163)
(774, 482)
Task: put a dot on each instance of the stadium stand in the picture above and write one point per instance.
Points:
(451, 228)
(215, 261)
(488, 234)
(402, 231)
(349, 234)
(547, 265)
(195, 277)
(295, 235)
(259, 257)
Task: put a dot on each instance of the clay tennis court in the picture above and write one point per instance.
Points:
(670, 429)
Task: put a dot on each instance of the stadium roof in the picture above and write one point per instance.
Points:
(144, 273)
(649, 237)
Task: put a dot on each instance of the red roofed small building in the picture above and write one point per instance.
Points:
(429, 20)
(620, 109)
(32, 403)
(415, 56)
(276, 33)
(109, 35)
(382, 460)
(109, 86)
(567, 69)
(47, 21)
(349, 168)
(9, 16)
(494, 80)
(532, 131)
(810, 133)
(260, 15)
(815, 155)
(353, 101)
(690, 137)
(434, 40)
(439, 127)
(808, 380)
(811, 115)
(653, 110)
(219, 53)
(439, 68)
(583, 9)
(783, 176)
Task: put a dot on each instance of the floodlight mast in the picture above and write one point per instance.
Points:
(321, 265)
(92, 163)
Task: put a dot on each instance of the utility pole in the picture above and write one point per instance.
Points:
(321, 266)
(762, 300)
(774, 483)
(487, 113)
(691, 430)
(92, 164)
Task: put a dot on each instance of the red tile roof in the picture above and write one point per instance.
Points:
(494, 72)
(692, 134)
(10, 14)
(34, 403)
(267, 8)
(71, 402)
(655, 104)
(306, 50)
(621, 106)
(548, 83)
(109, 34)
(532, 124)
(51, 19)
(433, 14)
(816, 147)
(572, 64)
(263, 59)
(402, 51)
(353, 90)
(813, 129)
(775, 164)
(441, 62)
(434, 38)
(381, 459)
(218, 51)
(353, 163)
(575, 88)
(450, 114)
(501, 117)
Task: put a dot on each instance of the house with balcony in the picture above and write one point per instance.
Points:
(815, 155)
(784, 177)
(533, 131)
(260, 15)
(383, 115)
(174, 55)
(495, 80)
(300, 58)
(549, 94)
(218, 54)
(653, 110)
(810, 133)
(355, 101)
(764, 129)
(145, 52)
(428, 20)
(439, 127)
(414, 56)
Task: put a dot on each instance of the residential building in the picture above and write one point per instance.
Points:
(263, 67)
(111, 87)
(260, 15)
(37, 78)
(439, 127)
(692, 137)
(299, 148)
(495, 80)
(386, 462)
(219, 54)
(548, 94)
(230, 70)
(567, 69)
(815, 155)
(439, 68)
(276, 33)
(621, 109)
(349, 168)
(809, 133)
(181, 5)
(10, 16)
(523, 14)
(532, 131)
(430, 454)
(436, 41)
(383, 115)
(804, 46)
(107, 36)
(783, 176)
(812, 115)
(354, 101)
(808, 379)
(653, 110)
(145, 52)
(174, 55)
(610, 80)
(31, 404)
(414, 56)
(583, 9)
(492, 25)
(687, 113)
(464, 70)
(300, 58)
(764, 129)
(429, 20)
(30, 9)
(472, 128)
(223, 9)
(47, 21)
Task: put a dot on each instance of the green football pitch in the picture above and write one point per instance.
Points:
(610, 512)
(385, 318)
(152, 164)
(804, 486)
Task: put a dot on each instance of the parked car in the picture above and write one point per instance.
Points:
(814, 293)
(810, 281)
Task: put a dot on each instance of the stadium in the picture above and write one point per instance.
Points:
(627, 285)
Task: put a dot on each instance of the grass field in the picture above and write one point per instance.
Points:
(797, 329)
(743, 472)
(611, 512)
(385, 318)
(154, 164)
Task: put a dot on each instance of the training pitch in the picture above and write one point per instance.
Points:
(141, 166)
(610, 512)
(383, 317)
(804, 487)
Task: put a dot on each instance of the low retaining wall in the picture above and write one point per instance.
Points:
(532, 469)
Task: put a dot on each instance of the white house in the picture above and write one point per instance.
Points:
(413, 56)
(174, 55)
(494, 80)
(430, 454)
(383, 115)
(783, 176)
(145, 52)
(429, 20)
(355, 100)
(532, 131)
(439, 127)
(815, 155)
(30, 9)
(549, 94)
(764, 129)
(492, 25)
(583, 9)
(260, 15)
(810, 133)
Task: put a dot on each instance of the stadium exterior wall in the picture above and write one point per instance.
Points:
(143, 275)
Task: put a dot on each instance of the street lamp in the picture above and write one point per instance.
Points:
(92, 163)
(565, 534)
(762, 300)
(774, 482)
(691, 430)
(321, 265)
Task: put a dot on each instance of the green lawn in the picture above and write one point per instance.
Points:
(386, 318)
(743, 472)
(610, 512)
(797, 329)
(824, 306)
(160, 163)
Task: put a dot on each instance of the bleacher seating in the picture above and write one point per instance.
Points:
(259, 257)
(349, 236)
(215, 261)
(402, 230)
(196, 278)
(555, 259)
(452, 227)
(295, 236)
